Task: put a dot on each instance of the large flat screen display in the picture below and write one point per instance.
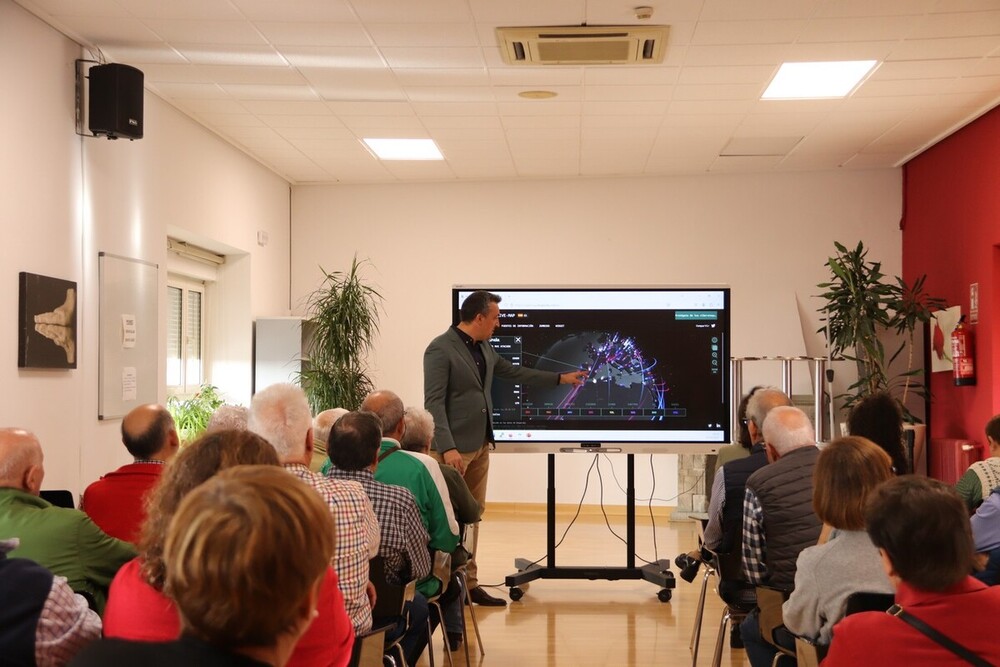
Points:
(657, 359)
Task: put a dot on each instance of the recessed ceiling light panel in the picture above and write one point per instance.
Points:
(817, 80)
(404, 149)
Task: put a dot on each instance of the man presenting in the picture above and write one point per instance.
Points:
(459, 366)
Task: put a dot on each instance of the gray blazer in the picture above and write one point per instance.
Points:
(453, 393)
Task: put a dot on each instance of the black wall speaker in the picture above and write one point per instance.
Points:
(115, 108)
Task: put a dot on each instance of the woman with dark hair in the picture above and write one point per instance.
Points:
(221, 550)
(847, 472)
(921, 529)
(878, 418)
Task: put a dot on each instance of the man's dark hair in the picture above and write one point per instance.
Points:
(144, 445)
(923, 526)
(354, 439)
(741, 415)
(993, 429)
(878, 418)
(477, 303)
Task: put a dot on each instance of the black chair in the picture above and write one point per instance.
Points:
(739, 595)
(390, 603)
(369, 648)
(58, 497)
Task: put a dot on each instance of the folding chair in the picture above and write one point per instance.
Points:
(810, 654)
(390, 602)
(740, 597)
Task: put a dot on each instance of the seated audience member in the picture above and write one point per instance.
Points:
(921, 529)
(42, 621)
(139, 608)
(982, 476)
(423, 479)
(847, 472)
(354, 451)
(62, 540)
(280, 415)
(116, 502)
(878, 418)
(322, 423)
(778, 518)
(416, 439)
(221, 549)
(986, 538)
(744, 441)
(725, 511)
(228, 418)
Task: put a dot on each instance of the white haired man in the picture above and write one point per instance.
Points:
(322, 424)
(280, 415)
(778, 516)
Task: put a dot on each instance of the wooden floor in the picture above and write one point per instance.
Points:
(568, 623)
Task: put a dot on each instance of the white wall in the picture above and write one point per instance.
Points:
(64, 198)
(767, 235)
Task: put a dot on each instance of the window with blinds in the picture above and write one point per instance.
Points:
(185, 335)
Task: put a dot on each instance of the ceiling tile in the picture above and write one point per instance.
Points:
(757, 74)
(720, 92)
(741, 163)
(205, 32)
(955, 47)
(613, 122)
(228, 120)
(469, 136)
(731, 54)
(512, 75)
(729, 33)
(958, 24)
(425, 11)
(366, 108)
(354, 84)
(427, 57)
(553, 107)
(455, 108)
(728, 10)
(649, 75)
(430, 34)
(285, 121)
(297, 133)
(75, 8)
(202, 105)
(329, 11)
(924, 69)
(244, 55)
(99, 30)
(384, 124)
(627, 93)
(277, 95)
(191, 10)
(285, 107)
(309, 33)
(442, 77)
(451, 94)
(332, 56)
(138, 54)
(868, 29)
(419, 170)
(625, 108)
(264, 76)
(530, 12)
(863, 8)
(461, 122)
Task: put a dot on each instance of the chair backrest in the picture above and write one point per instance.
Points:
(58, 497)
(389, 598)
(368, 648)
(769, 601)
(867, 601)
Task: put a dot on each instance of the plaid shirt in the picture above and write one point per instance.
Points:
(404, 538)
(65, 626)
(357, 539)
(754, 546)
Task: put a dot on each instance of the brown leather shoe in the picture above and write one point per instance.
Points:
(481, 597)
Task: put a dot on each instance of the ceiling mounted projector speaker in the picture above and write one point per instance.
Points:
(115, 107)
(584, 45)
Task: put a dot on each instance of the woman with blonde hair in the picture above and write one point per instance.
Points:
(225, 551)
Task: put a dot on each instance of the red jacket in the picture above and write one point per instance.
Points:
(116, 502)
(138, 612)
(966, 613)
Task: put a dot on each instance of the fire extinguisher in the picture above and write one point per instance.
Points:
(961, 354)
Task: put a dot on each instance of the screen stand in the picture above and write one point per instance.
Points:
(658, 573)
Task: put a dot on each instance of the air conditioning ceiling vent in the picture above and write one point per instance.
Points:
(584, 45)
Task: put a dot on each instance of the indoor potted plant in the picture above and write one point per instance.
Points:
(861, 306)
(341, 330)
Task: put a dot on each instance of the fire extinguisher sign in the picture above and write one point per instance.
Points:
(973, 303)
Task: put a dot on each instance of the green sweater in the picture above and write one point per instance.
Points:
(401, 469)
(65, 541)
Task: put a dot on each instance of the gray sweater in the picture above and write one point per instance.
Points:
(826, 574)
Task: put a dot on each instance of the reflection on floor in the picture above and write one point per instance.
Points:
(568, 623)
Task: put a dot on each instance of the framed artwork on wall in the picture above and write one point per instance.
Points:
(46, 322)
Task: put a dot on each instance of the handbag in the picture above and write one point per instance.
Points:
(950, 644)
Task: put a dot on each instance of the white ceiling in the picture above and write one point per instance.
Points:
(297, 83)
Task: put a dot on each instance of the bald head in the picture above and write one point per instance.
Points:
(20, 460)
(389, 409)
(324, 421)
(148, 432)
(786, 429)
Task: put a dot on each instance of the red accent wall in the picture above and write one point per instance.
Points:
(951, 232)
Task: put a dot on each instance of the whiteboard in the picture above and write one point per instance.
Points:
(129, 328)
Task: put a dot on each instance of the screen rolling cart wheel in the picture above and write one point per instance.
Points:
(665, 594)
(516, 593)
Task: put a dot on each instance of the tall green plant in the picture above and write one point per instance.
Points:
(860, 303)
(342, 328)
